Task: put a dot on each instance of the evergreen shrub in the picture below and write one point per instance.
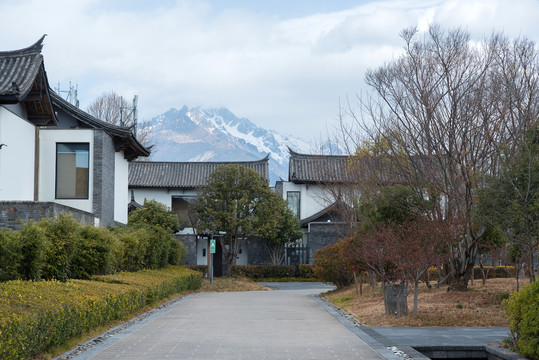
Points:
(331, 266)
(34, 316)
(522, 309)
(263, 271)
(10, 255)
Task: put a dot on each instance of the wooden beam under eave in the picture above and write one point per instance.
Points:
(34, 96)
(41, 120)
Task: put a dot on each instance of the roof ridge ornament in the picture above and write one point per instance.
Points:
(35, 48)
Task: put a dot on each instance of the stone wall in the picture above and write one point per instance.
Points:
(103, 196)
(12, 213)
(190, 243)
(324, 233)
(257, 253)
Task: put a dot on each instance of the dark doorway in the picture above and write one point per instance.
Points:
(218, 260)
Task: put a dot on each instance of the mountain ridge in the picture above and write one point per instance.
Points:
(200, 134)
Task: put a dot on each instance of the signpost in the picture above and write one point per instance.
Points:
(212, 251)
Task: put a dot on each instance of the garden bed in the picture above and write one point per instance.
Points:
(35, 316)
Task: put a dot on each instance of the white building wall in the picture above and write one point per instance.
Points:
(162, 195)
(121, 182)
(48, 138)
(203, 253)
(312, 197)
(17, 158)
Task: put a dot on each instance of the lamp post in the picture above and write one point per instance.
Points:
(212, 251)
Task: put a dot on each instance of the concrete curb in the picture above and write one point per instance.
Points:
(378, 343)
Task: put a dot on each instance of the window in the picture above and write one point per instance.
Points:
(182, 206)
(72, 174)
(293, 198)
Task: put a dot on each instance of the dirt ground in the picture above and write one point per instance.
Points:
(481, 305)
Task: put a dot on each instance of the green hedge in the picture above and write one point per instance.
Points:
(35, 316)
(203, 269)
(61, 248)
(522, 309)
(272, 271)
(495, 272)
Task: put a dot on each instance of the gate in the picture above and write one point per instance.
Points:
(296, 255)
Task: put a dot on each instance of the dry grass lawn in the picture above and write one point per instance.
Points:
(230, 284)
(481, 305)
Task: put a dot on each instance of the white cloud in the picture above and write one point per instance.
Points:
(283, 73)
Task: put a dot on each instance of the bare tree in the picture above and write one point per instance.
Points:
(113, 109)
(108, 107)
(442, 111)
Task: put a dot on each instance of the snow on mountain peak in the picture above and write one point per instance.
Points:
(196, 134)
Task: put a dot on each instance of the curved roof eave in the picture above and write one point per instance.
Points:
(125, 140)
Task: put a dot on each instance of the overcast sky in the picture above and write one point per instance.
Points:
(284, 64)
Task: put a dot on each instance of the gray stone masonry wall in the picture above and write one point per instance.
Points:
(257, 253)
(103, 175)
(190, 243)
(13, 213)
(323, 234)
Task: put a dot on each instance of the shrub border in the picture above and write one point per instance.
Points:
(32, 335)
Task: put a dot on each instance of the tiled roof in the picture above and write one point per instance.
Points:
(307, 168)
(182, 175)
(123, 136)
(23, 80)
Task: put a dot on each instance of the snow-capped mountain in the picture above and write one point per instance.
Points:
(195, 134)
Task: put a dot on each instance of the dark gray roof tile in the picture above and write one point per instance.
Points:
(23, 80)
(18, 70)
(307, 168)
(182, 175)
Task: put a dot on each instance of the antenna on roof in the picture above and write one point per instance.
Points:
(72, 93)
(131, 114)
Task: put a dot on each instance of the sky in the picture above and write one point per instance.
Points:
(286, 65)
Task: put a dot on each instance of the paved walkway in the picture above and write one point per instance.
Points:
(292, 323)
(284, 324)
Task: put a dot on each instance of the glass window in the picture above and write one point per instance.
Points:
(182, 206)
(293, 198)
(72, 174)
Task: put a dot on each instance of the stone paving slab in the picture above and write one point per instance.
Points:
(284, 324)
(443, 336)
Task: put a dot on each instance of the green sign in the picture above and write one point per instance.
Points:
(212, 246)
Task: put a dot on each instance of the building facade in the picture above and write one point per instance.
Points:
(178, 185)
(55, 157)
(316, 192)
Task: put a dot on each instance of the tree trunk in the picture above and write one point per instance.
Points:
(355, 282)
(416, 294)
(462, 271)
(532, 267)
(458, 283)
(484, 273)
(384, 292)
(372, 280)
(230, 258)
(427, 279)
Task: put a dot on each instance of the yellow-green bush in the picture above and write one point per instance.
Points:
(522, 309)
(37, 315)
(494, 272)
